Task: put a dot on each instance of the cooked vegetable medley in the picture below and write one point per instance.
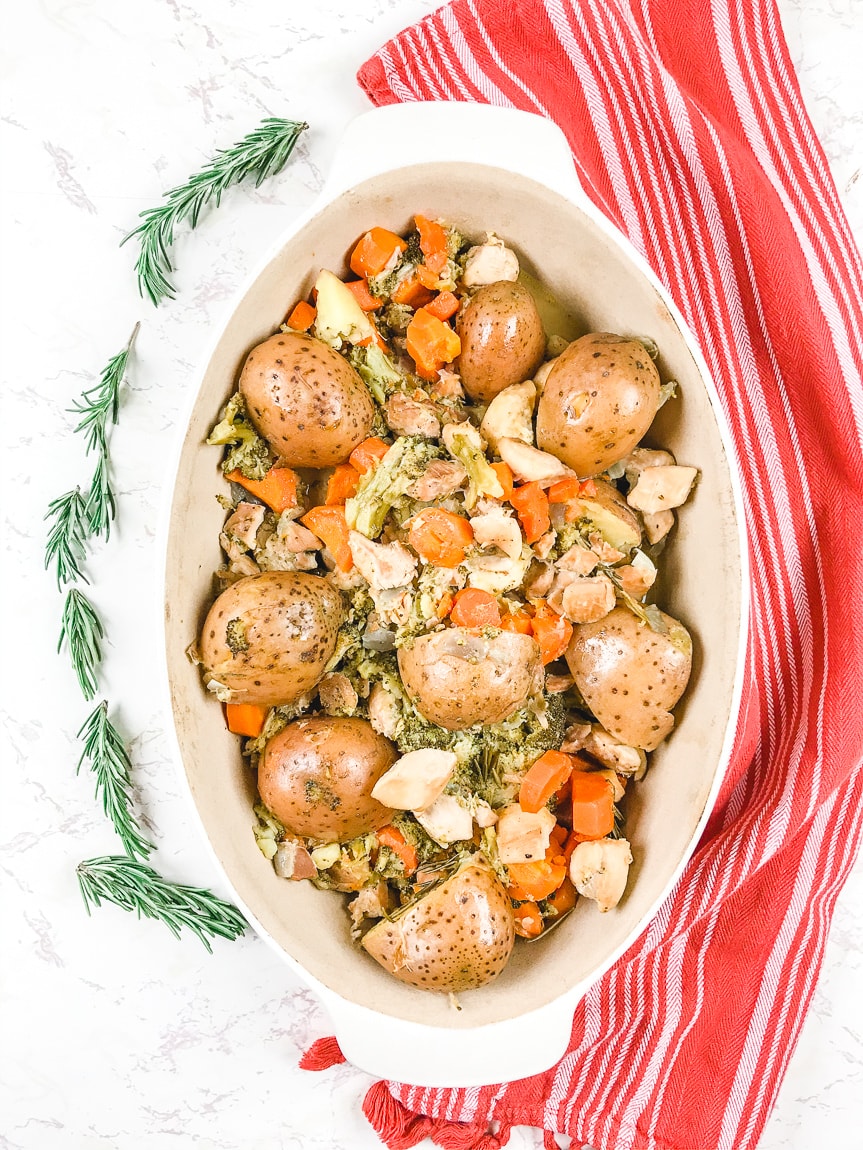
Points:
(434, 632)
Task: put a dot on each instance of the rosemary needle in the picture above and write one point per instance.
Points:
(82, 631)
(110, 763)
(100, 404)
(65, 543)
(137, 887)
(262, 153)
(101, 506)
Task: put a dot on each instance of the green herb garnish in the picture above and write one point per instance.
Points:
(65, 543)
(110, 763)
(81, 630)
(262, 153)
(136, 886)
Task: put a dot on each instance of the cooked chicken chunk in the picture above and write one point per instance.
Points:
(384, 565)
(662, 488)
(529, 464)
(510, 415)
(384, 711)
(498, 529)
(587, 599)
(406, 416)
(599, 870)
(490, 262)
(441, 478)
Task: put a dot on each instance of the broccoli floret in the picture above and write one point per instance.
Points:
(465, 444)
(432, 585)
(382, 286)
(423, 843)
(377, 371)
(568, 536)
(250, 455)
(349, 641)
(521, 739)
(385, 485)
(397, 317)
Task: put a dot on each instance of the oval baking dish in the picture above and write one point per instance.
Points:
(478, 168)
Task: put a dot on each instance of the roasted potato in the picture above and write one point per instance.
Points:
(268, 637)
(458, 937)
(502, 340)
(457, 678)
(306, 400)
(599, 400)
(316, 776)
(607, 512)
(630, 675)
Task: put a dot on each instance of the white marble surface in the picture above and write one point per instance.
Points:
(113, 1034)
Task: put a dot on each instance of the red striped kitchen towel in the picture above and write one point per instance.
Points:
(688, 130)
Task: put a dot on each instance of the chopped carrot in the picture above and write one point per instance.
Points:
(475, 608)
(412, 292)
(528, 920)
(546, 775)
(536, 879)
(588, 488)
(564, 898)
(368, 454)
(551, 631)
(531, 505)
(302, 317)
(443, 306)
(374, 251)
(392, 837)
(245, 718)
(376, 339)
(558, 837)
(432, 243)
(564, 490)
(360, 291)
(573, 839)
(278, 488)
(331, 527)
(431, 343)
(504, 475)
(517, 621)
(428, 278)
(342, 484)
(445, 606)
(592, 805)
(440, 536)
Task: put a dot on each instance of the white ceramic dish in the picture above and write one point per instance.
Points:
(479, 168)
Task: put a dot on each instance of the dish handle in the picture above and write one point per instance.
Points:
(400, 135)
(442, 1056)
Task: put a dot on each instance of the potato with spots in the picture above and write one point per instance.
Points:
(631, 675)
(599, 400)
(306, 400)
(457, 678)
(502, 340)
(268, 637)
(457, 937)
(316, 776)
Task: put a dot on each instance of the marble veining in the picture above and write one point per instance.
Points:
(113, 1034)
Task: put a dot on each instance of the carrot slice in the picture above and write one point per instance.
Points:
(547, 775)
(535, 880)
(360, 291)
(528, 920)
(374, 251)
(302, 317)
(245, 718)
(564, 898)
(368, 454)
(504, 475)
(342, 484)
(431, 343)
(592, 805)
(440, 536)
(517, 621)
(531, 505)
(551, 631)
(564, 490)
(392, 837)
(428, 278)
(432, 243)
(475, 608)
(331, 527)
(443, 306)
(412, 292)
(278, 488)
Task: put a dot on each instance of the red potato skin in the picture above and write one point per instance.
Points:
(502, 340)
(289, 621)
(306, 400)
(316, 776)
(599, 400)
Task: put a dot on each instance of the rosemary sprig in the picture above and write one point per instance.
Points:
(262, 153)
(65, 543)
(81, 629)
(101, 506)
(109, 761)
(101, 403)
(136, 886)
